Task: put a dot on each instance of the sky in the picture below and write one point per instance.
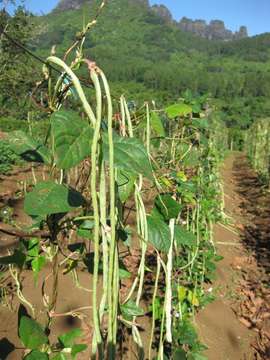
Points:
(254, 14)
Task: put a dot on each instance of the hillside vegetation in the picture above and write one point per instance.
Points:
(147, 56)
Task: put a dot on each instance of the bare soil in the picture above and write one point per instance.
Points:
(234, 327)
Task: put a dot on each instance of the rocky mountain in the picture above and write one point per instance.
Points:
(163, 12)
(77, 4)
(215, 30)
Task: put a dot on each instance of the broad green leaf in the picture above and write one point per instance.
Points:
(50, 198)
(18, 258)
(36, 355)
(76, 349)
(130, 309)
(125, 182)
(23, 144)
(31, 333)
(184, 237)
(67, 340)
(72, 138)
(129, 154)
(156, 124)
(159, 233)
(176, 110)
(168, 207)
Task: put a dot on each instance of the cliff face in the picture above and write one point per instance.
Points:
(163, 12)
(70, 4)
(215, 30)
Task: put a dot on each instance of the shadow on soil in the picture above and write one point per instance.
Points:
(256, 208)
(6, 347)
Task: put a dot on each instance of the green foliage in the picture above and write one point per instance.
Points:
(257, 143)
(36, 355)
(176, 110)
(158, 233)
(130, 309)
(168, 207)
(157, 125)
(49, 198)
(24, 145)
(31, 333)
(125, 183)
(187, 197)
(18, 78)
(127, 44)
(130, 155)
(67, 340)
(8, 158)
(72, 138)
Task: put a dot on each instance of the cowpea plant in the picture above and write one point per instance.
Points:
(96, 169)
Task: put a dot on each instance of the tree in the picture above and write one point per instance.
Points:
(17, 67)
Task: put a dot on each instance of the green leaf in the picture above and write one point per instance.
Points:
(192, 158)
(168, 207)
(196, 356)
(196, 108)
(32, 247)
(123, 273)
(200, 123)
(50, 198)
(129, 154)
(182, 293)
(159, 233)
(156, 124)
(18, 258)
(67, 340)
(180, 354)
(31, 333)
(37, 265)
(130, 309)
(125, 182)
(176, 110)
(21, 143)
(184, 237)
(85, 229)
(76, 349)
(72, 138)
(36, 355)
(59, 356)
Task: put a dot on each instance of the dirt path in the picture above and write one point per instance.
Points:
(234, 327)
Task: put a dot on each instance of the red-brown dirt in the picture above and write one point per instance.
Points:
(234, 327)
